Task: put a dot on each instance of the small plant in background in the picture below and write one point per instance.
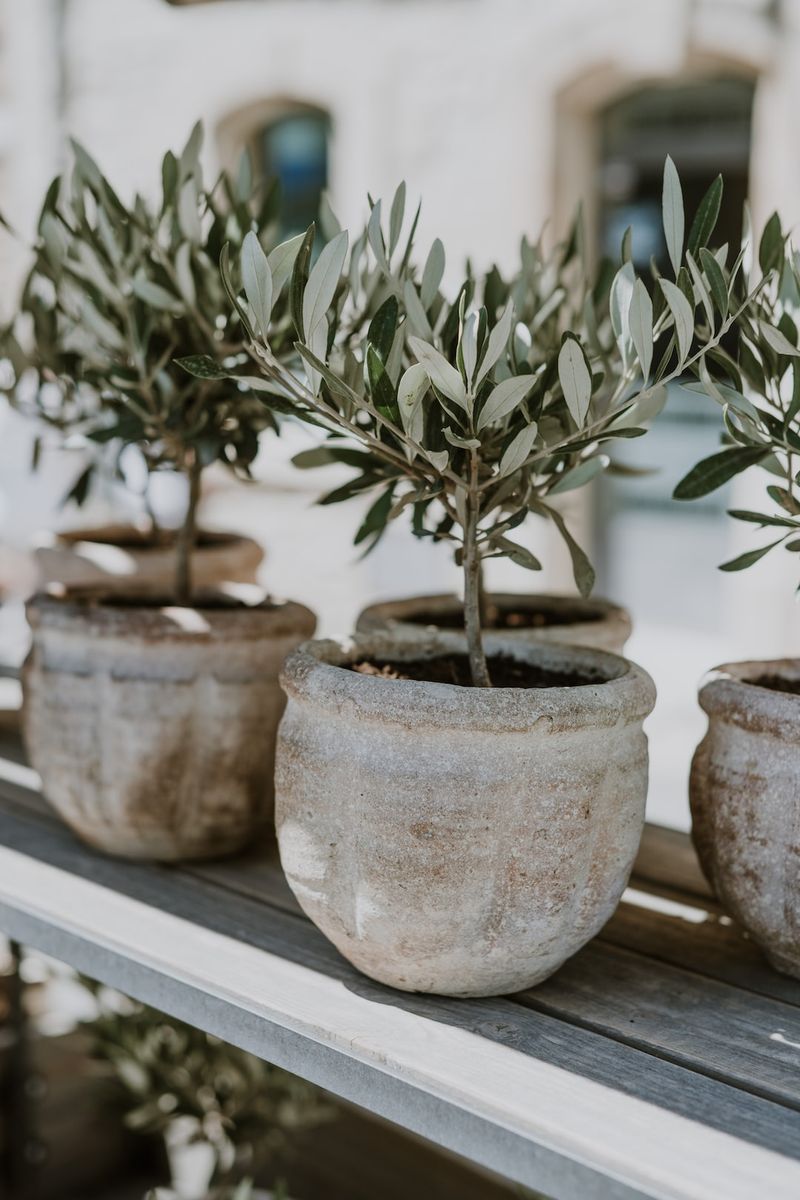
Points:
(455, 412)
(117, 293)
(196, 1091)
(759, 393)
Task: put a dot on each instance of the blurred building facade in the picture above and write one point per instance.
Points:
(502, 114)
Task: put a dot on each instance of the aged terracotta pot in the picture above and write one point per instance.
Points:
(153, 727)
(453, 839)
(745, 800)
(115, 555)
(568, 619)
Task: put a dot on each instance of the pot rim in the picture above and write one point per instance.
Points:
(596, 609)
(136, 538)
(731, 690)
(99, 611)
(316, 673)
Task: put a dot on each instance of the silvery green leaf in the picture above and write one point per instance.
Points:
(518, 554)
(108, 237)
(96, 274)
(261, 383)
(55, 239)
(281, 260)
(396, 217)
(394, 360)
(438, 458)
(701, 291)
(155, 296)
(417, 317)
(257, 280)
(317, 344)
(576, 379)
(329, 223)
(442, 374)
(776, 340)
(322, 284)
(411, 391)
(432, 273)
(522, 342)
(547, 309)
(517, 452)
(620, 301)
(469, 345)
(640, 319)
(183, 271)
(463, 443)
(189, 212)
(644, 409)
(682, 315)
(729, 396)
(190, 155)
(504, 398)
(375, 237)
(672, 213)
(460, 498)
(100, 327)
(85, 166)
(244, 177)
(495, 344)
(581, 474)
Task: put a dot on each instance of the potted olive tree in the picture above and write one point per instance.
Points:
(112, 295)
(224, 1115)
(745, 779)
(459, 813)
(551, 293)
(151, 716)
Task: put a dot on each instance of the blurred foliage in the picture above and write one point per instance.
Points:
(245, 1109)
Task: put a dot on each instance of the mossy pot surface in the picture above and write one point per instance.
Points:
(452, 839)
(525, 617)
(153, 726)
(745, 800)
(114, 556)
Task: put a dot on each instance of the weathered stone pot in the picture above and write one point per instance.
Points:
(153, 727)
(528, 618)
(745, 800)
(114, 556)
(453, 839)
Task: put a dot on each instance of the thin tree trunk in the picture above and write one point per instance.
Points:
(187, 536)
(472, 584)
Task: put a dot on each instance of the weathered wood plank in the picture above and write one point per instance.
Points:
(749, 1041)
(697, 935)
(502, 1024)
(508, 1125)
(666, 858)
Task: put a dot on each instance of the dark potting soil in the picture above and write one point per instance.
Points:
(505, 672)
(147, 539)
(777, 683)
(509, 618)
(202, 602)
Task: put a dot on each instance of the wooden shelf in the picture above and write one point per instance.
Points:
(662, 1061)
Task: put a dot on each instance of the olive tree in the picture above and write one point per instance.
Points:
(117, 292)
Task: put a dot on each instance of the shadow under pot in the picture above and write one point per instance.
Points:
(571, 620)
(459, 840)
(116, 556)
(745, 800)
(153, 726)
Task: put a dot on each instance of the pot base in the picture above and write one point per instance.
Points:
(153, 727)
(784, 964)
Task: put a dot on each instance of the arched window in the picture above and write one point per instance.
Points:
(705, 127)
(288, 139)
(659, 555)
(293, 147)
